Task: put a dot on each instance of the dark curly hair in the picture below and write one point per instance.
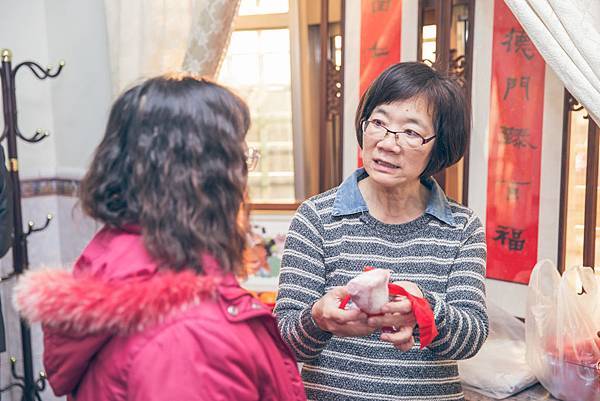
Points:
(172, 162)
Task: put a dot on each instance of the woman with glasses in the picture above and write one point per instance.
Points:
(411, 123)
(152, 309)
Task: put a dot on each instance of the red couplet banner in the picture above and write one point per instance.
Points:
(515, 147)
(380, 31)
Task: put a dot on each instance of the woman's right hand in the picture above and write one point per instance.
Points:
(329, 317)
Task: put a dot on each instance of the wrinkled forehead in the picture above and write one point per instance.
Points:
(417, 109)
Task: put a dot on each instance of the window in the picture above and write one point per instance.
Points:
(580, 232)
(254, 7)
(576, 189)
(275, 61)
(428, 44)
(257, 65)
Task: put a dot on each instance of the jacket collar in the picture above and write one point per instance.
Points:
(111, 279)
(349, 200)
(89, 305)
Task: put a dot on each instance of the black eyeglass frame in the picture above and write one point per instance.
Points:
(365, 124)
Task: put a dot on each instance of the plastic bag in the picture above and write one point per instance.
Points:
(562, 331)
(499, 369)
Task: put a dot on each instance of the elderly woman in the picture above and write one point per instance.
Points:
(411, 123)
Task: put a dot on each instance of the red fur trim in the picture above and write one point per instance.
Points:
(87, 305)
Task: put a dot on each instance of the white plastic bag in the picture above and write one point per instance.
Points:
(499, 369)
(563, 329)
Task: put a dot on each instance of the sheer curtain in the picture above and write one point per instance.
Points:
(150, 37)
(567, 34)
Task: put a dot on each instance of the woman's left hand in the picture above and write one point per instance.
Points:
(398, 320)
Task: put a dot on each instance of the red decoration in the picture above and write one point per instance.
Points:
(515, 147)
(420, 308)
(380, 31)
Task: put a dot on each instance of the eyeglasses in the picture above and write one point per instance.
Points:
(405, 139)
(252, 158)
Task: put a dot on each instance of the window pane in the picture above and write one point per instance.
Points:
(244, 42)
(257, 66)
(576, 190)
(275, 41)
(428, 48)
(253, 7)
(276, 69)
(429, 33)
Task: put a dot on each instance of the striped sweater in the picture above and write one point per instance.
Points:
(331, 239)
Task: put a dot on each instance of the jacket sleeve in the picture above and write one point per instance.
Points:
(65, 360)
(215, 368)
(6, 217)
(461, 316)
(301, 284)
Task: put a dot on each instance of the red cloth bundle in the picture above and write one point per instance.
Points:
(420, 307)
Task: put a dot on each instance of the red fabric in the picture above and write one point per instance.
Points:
(423, 314)
(514, 152)
(380, 33)
(203, 352)
(420, 308)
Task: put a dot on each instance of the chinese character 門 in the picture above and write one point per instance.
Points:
(511, 83)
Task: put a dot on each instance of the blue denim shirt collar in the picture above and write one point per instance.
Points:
(349, 200)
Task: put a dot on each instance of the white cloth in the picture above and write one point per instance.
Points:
(567, 34)
(151, 37)
(499, 369)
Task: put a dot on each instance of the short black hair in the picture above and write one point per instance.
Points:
(445, 98)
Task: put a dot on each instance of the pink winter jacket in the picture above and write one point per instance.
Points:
(116, 328)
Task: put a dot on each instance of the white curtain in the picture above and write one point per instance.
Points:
(151, 37)
(567, 34)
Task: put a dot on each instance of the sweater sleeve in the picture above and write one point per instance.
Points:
(461, 316)
(301, 284)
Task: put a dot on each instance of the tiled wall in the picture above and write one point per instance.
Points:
(57, 246)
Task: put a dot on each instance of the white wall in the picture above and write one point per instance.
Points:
(73, 106)
(551, 167)
(23, 31)
(410, 30)
(351, 85)
(76, 32)
(480, 105)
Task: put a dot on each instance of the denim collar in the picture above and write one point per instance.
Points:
(349, 200)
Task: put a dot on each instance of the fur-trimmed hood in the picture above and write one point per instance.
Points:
(115, 287)
(87, 305)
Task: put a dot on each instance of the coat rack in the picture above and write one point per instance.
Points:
(30, 387)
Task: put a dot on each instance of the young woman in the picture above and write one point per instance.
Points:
(152, 309)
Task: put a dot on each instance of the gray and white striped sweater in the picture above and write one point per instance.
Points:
(331, 239)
